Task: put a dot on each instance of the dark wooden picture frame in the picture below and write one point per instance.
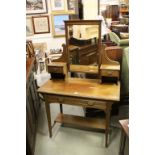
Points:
(41, 24)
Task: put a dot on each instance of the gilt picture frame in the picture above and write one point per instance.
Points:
(58, 25)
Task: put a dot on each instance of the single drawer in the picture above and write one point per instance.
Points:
(96, 104)
(76, 101)
(110, 73)
(84, 103)
(55, 69)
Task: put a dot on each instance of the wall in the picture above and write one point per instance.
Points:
(90, 8)
(47, 37)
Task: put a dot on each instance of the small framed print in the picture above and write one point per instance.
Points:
(29, 27)
(36, 6)
(58, 5)
(40, 24)
(71, 4)
(58, 25)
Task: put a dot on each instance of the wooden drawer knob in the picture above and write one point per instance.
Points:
(109, 72)
(90, 103)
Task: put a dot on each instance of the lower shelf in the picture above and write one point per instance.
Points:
(83, 122)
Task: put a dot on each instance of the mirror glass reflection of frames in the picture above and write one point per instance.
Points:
(83, 42)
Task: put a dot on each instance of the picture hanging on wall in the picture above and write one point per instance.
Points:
(71, 4)
(29, 27)
(58, 5)
(41, 24)
(36, 6)
(58, 25)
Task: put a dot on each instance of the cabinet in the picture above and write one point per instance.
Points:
(32, 107)
(112, 11)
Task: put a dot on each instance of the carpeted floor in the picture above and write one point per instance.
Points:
(69, 141)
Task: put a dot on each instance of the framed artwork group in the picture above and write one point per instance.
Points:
(61, 9)
(67, 6)
(36, 23)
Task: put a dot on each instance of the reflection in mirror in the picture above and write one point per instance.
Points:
(83, 45)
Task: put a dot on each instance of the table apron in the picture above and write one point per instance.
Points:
(78, 101)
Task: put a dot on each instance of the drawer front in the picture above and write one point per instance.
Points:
(55, 69)
(110, 73)
(76, 101)
(84, 103)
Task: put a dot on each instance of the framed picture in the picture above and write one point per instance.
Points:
(29, 27)
(58, 25)
(36, 6)
(71, 4)
(40, 24)
(58, 5)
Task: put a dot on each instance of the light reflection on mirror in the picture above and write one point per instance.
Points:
(83, 44)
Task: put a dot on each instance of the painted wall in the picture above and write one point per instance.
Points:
(90, 9)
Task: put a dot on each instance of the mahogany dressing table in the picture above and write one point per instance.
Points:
(87, 93)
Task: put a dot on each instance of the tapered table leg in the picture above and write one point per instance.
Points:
(47, 105)
(61, 109)
(108, 110)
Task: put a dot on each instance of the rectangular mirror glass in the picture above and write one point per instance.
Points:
(83, 43)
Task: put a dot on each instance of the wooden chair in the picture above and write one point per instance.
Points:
(30, 53)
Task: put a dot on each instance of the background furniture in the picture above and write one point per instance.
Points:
(124, 135)
(119, 28)
(112, 11)
(32, 106)
(30, 53)
(120, 42)
(125, 73)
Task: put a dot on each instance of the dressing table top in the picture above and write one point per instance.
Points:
(87, 88)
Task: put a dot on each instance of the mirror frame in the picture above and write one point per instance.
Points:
(83, 22)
